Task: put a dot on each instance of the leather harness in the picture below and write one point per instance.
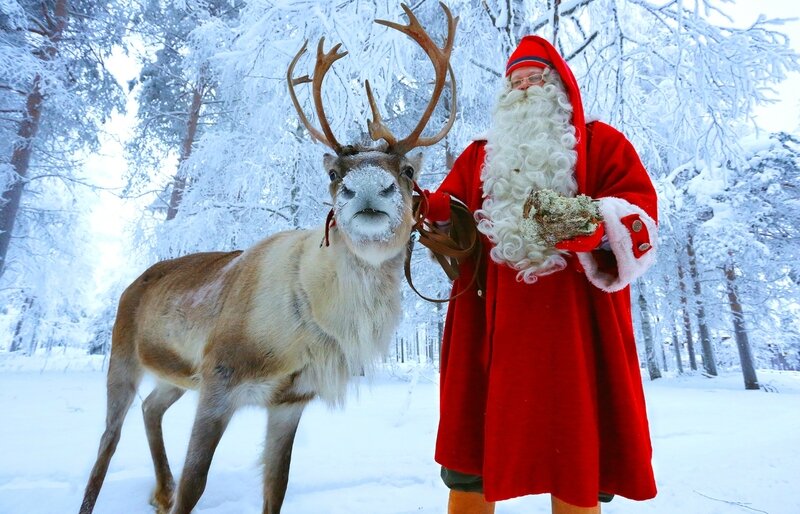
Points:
(451, 245)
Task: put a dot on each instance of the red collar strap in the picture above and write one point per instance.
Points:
(422, 211)
(329, 222)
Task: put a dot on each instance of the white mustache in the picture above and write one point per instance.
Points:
(515, 96)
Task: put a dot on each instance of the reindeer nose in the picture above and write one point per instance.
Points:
(367, 181)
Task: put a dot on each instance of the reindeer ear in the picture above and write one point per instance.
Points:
(329, 162)
(415, 161)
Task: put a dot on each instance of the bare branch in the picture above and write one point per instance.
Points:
(486, 68)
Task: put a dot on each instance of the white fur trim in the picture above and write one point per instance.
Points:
(459, 200)
(589, 117)
(629, 268)
(483, 136)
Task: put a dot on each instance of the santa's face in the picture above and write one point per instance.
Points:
(526, 76)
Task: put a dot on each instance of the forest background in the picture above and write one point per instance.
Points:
(133, 131)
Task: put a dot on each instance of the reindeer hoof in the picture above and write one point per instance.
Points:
(162, 499)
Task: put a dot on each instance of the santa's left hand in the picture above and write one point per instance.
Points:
(438, 206)
(583, 243)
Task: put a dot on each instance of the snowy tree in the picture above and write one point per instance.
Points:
(682, 87)
(176, 87)
(747, 214)
(55, 94)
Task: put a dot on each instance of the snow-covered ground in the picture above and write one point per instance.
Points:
(718, 449)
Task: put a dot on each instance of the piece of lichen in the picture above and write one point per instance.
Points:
(551, 217)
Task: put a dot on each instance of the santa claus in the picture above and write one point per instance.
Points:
(541, 388)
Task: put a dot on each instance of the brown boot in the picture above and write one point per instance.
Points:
(562, 507)
(468, 503)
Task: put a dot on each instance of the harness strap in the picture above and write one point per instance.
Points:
(329, 222)
(450, 246)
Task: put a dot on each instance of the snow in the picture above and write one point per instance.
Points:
(718, 449)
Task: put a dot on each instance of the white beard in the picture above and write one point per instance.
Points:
(530, 146)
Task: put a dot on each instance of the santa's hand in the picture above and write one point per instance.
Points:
(583, 243)
(438, 206)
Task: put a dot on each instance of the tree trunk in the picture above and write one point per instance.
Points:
(647, 332)
(179, 182)
(428, 345)
(20, 161)
(677, 347)
(28, 127)
(709, 360)
(294, 191)
(778, 358)
(740, 330)
(687, 321)
(33, 339)
(16, 341)
(556, 19)
(449, 156)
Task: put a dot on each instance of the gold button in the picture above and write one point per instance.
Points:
(637, 226)
(644, 246)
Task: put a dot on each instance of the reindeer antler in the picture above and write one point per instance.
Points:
(324, 62)
(440, 58)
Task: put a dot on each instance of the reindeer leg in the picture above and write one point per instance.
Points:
(124, 375)
(214, 411)
(281, 429)
(153, 409)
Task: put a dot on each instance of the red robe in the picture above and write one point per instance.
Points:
(541, 387)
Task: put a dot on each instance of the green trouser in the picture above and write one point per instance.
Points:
(474, 483)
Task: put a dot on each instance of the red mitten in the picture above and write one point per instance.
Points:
(438, 205)
(583, 243)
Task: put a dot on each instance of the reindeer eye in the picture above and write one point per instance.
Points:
(332, 175)
(408, 171)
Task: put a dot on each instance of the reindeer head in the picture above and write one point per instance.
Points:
(371, 188)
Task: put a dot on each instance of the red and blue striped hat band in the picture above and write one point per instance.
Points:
(528, 60)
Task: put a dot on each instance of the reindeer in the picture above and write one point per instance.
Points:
(283, 322)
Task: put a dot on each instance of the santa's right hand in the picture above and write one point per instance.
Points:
(583, 243)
